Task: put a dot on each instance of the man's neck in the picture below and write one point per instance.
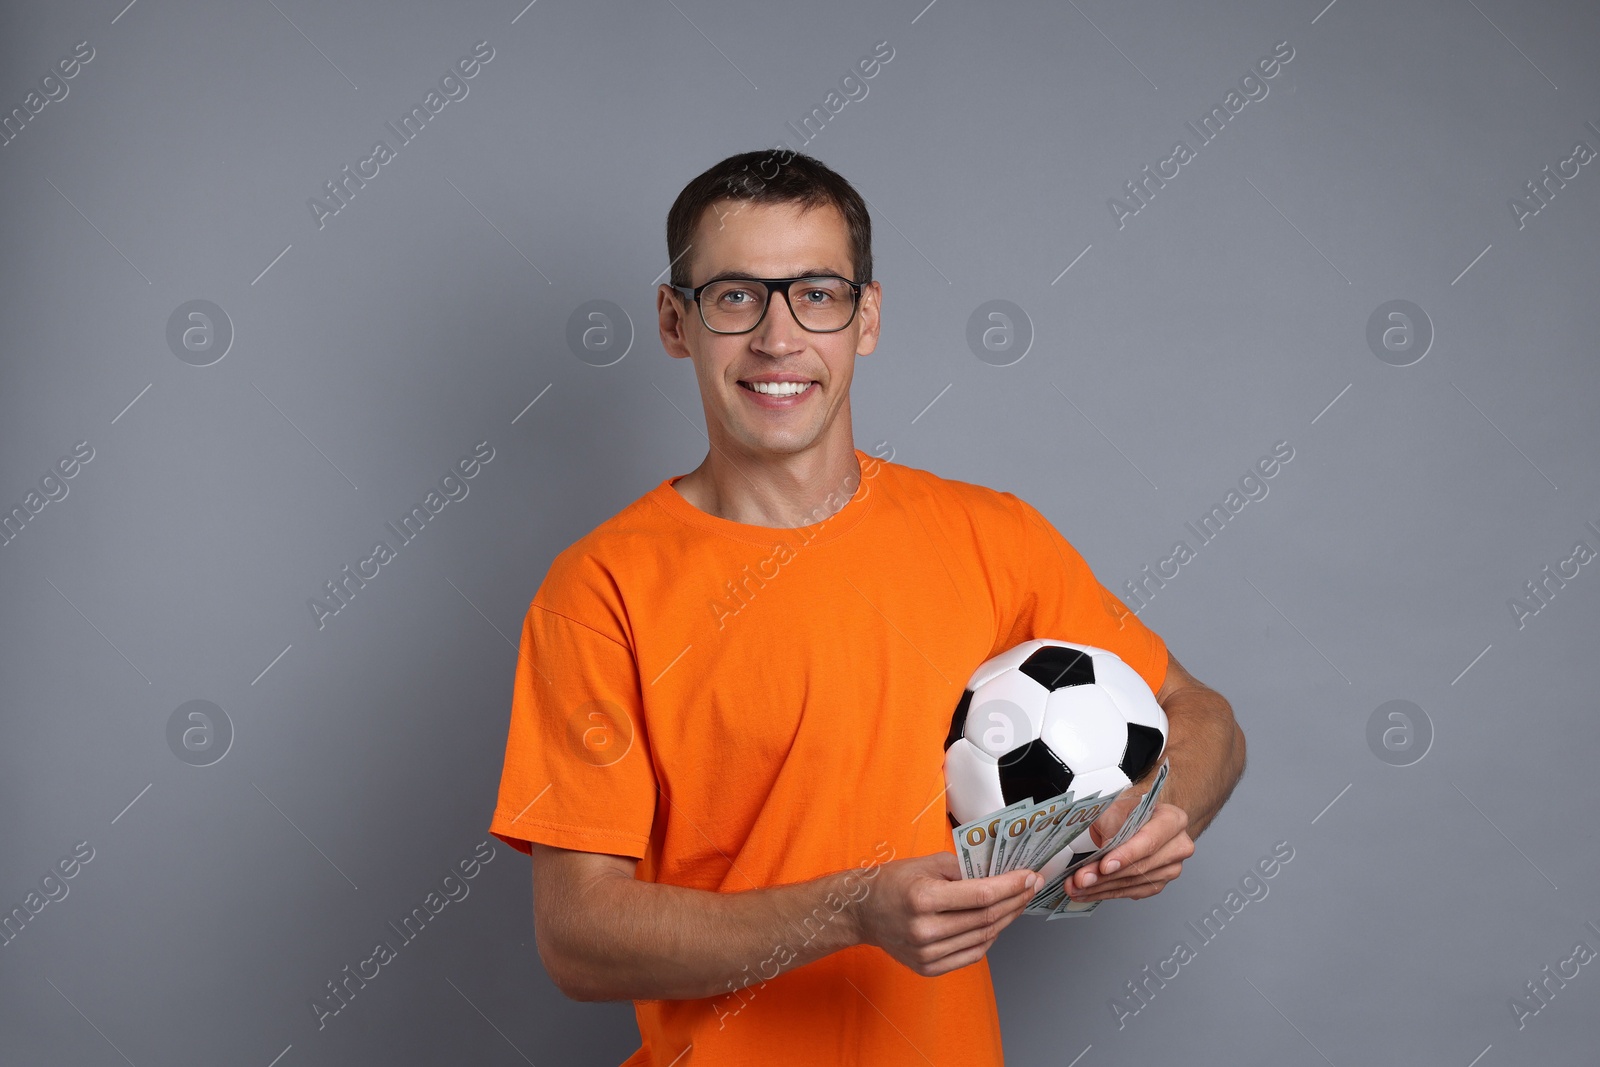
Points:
(783, 492)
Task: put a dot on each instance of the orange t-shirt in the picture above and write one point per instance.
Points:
(742, 706)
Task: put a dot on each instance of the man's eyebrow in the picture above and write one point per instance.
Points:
(812, 272)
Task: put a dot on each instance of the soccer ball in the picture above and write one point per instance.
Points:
(1044, 717)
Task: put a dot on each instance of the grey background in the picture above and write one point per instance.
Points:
(1229, 314)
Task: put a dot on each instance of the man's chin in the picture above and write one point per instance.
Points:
(774, 445)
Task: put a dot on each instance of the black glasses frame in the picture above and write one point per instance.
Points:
(774, 285)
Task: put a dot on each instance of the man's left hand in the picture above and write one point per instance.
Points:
(1142, 865)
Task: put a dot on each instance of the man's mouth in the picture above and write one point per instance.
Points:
(777, 388)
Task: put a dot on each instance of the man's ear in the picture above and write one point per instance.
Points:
(671, 320)
(871, 302)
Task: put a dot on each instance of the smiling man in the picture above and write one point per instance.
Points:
(726, 742)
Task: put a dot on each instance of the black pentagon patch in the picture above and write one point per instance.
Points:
(1055, 667)
(1144, 745)
(953, 824)
(958, 721)
(1032, 772)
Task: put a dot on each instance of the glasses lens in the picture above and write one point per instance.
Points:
(735, 305)
(822, 303)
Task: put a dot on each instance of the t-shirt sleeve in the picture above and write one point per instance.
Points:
(1061, 600)
(577, 771)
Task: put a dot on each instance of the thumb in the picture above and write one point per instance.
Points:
(1110, 820)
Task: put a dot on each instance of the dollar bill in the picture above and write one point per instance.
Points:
(1073, 909)
(1140, 814)
(1053, 892)
(1014, 830)
(1054, 895)
(1043, 820)
(1049, 858)
(975, 841)
(1021, 825)
(1032, 834)
(1069, 823)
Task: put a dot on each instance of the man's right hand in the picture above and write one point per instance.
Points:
(921, 911)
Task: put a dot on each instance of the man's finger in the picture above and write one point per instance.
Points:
(1134, 887)
(1149, 870)
(958, 960)
(969, 893)
(1180, 846)
(1138, 891)
(1169, 856)
(1111, 820)
(980, 933)
(1140, 845)
(1166, 822)
(1175, 851)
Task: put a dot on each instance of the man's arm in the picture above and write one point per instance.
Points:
(1205, 746)
(604, 935)
(1206, 752)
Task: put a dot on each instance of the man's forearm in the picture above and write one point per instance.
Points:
(648, 941)
(1205, 748)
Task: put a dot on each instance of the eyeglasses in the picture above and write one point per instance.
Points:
(826, 302)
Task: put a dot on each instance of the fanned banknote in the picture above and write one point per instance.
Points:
(1072, 909)
(1054, 890)
(1014, 830)
(1030, 834)
(996, 843)
(1043, 817)
(1072, 820)
(1054, 894)
(1064, 907)
(975, 840)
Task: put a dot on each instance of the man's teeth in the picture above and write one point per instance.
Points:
(779, 388)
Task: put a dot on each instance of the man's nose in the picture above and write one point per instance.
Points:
(780, 328)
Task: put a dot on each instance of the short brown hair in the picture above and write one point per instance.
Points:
(768, 177)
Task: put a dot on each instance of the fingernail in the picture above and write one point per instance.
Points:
(1089, 879)
(1034, 882)
(1111, 866)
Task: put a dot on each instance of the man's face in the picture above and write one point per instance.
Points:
(770, 241)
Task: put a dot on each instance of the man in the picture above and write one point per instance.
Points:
(726, 742)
